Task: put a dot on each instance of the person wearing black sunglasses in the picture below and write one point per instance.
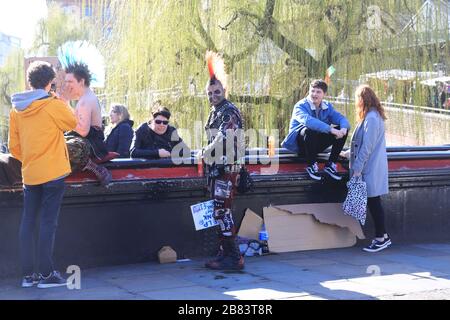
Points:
(156, 139)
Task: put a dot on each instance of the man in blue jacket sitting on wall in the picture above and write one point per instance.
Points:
(315, 125)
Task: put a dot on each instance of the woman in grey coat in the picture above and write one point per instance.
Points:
(368, 159)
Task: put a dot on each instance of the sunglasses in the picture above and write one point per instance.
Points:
(164, 122)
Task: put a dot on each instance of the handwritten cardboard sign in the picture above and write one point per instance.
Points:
(203, 215)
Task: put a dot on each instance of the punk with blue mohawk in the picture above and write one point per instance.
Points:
(80, 71)
(81, 52)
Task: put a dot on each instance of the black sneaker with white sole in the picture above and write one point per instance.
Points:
(331, 170)
(29, 281)
(54, 279)
(376, 245)
(313, 171)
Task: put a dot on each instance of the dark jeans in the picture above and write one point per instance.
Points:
(377, 212)
(314, 142)
(44, 199)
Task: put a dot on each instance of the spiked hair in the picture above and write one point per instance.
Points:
(216, 68)
(80, 71)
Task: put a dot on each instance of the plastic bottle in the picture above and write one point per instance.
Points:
(263, 238)
(271, 146)
(200, 165)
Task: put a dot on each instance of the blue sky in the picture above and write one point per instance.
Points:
(19, 17)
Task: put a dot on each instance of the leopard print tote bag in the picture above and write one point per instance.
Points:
(355, 203)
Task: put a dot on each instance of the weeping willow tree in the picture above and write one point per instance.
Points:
(11, 81)
(57, 28)
(272, 50)
(50, 33)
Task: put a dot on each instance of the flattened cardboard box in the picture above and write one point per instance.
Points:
(251, 225)
(310, 226)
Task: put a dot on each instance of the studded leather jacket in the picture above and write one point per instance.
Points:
(224, 130)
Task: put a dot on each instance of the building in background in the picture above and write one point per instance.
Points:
(429, 29)
(98, 11)
(7, 45)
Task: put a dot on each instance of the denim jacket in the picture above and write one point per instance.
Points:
(304, 115)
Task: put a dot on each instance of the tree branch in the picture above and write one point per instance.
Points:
(354, 51)
(266, 25)
(235, 16)
(388, 26)
(269, 29)
(255, 99)
(245, 53)
(198, 25)
(4, 86)
(295, 52)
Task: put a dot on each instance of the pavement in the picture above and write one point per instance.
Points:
(410, 272)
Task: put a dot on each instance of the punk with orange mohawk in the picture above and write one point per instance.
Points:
(216, 68)
(224, 124)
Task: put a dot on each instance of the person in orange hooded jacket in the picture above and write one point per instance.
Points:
(38, 121)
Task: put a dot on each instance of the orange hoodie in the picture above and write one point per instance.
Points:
(36, 138)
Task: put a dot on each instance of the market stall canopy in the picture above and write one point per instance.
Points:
(433, 82)
(398, 74)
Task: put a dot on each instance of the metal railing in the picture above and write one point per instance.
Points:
(338, 100)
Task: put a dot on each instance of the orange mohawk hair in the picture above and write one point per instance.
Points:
(216, 67)
(210, 67)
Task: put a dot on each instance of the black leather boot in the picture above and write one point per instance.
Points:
(231, 260)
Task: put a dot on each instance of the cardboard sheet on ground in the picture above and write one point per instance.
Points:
(251, 225)
(310, 226)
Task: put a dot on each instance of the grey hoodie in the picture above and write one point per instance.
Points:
(23, 100)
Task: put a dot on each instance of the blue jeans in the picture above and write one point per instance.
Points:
(45, 199)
